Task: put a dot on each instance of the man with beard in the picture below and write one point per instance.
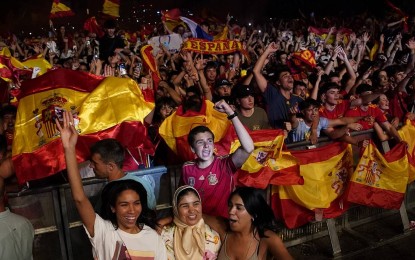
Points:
(278, 95)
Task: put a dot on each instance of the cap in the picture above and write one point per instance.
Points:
(222, 82)
(242, 91)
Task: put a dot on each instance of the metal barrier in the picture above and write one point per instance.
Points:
(59, 233)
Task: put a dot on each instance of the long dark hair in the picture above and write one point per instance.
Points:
(112, 191)
(257, 207)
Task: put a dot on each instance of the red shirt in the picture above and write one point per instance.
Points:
(372, 111)
(214, 183)
(338, 111)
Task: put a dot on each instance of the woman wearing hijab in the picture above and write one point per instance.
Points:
(188, 237)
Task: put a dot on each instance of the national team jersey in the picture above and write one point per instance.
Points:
(372, 110)
(214, 183)
(338, 111)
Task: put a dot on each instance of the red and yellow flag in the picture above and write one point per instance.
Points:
(150, 63)
(10, 68)
(171, 19)
(407, 133)
(175, 128)
(267, 164)
(322, 33)
(60, 8)
(111, 8)
(102, 108)
(380, 180)
(38, 62)
(326, 171)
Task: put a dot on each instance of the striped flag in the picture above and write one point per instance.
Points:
(380, 180)
(407, 133)
(60, 8)
(11, 69)
(150, 63)
(267, 164)
(326, 172)
(111, 8)
(196, 30)
(175, 128)
(102, 108)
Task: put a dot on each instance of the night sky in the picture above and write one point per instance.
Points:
(31, 15)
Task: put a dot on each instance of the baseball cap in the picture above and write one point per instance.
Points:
(242, 91)
(222, 82)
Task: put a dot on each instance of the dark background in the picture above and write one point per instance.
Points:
(23, 16)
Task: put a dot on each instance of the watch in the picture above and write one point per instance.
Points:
(232, 115)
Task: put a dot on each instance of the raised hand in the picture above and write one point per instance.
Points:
(69, 135)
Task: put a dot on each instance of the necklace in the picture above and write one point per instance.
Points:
(249, 247)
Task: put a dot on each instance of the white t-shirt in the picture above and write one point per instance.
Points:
(107, 242)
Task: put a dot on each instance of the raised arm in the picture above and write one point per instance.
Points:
(69, 137)
(247, 145)
(260, 79)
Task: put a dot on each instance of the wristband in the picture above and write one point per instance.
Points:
(230, 117)
(332, 60)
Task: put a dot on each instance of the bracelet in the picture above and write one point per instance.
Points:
(230, 117)
(332, 60)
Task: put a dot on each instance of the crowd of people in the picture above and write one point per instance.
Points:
(287, 76)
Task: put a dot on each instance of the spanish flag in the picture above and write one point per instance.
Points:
(171, 19)
(267, 164)
(60, 8)
(175, 128)
(150, 63)
(407, 133)
(380, 180)
(111, 8)
(102, 108)
(322, 33)
(11, 69)
(39, 62)
(326, 172)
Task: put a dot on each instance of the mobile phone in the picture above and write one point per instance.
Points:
(137, 70)
(121, 69)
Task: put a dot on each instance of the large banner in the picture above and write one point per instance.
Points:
(212, 47)
(102, 108)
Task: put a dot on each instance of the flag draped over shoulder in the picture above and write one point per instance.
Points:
(326, 171)
(61, 8)
(111, 8)
(102, 108)
(380, 180)
(267, 164)
(175, 128)
(10, 68)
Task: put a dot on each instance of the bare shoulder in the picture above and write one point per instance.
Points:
(275, 246)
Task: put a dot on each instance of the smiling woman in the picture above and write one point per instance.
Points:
(188, 237)
(125, 229)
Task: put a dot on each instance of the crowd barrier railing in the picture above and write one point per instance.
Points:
(59, 233)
